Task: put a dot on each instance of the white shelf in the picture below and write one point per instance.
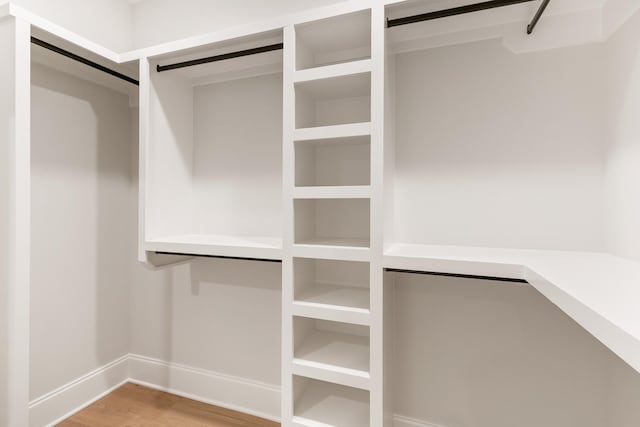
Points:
(330, 295)
(333, 192)
(598, 290)
(331, 132)
(334, 357)
(219, 245)
(323, 404)
(343, 249)
(348, 304)
(337, 87)
(329, 71)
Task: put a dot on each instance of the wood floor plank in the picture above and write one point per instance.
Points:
(136, 406)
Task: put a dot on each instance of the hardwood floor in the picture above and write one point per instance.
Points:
(135, 406)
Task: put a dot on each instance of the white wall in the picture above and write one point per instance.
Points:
(218, 315)
(81, 245)
(480, 353)
(218, 318)
(159, 21)
(107, 22)
(498, 149)
(7, 114)
(623, 138)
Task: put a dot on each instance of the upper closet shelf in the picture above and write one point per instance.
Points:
(598, 290)
(219, 245)
(331, 132)
(329, 71)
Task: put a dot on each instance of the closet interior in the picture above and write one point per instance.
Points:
(438, 198)
(214, 165)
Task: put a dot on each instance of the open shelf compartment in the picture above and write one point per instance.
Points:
(332, 290)
(334, 40)
(321, 403)
(200, 153)
(333, 162)
(331, 351)
(333, 101)
(332, 222)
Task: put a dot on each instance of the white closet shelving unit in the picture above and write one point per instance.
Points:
(332, 275)
(307, 154)
(334, 217)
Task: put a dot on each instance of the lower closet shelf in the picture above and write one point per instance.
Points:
(347, 304)
(260, 247)
(324, 404)
(598, 290)
(333, 248)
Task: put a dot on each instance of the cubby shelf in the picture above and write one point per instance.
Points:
(333, 40)
(329, 71)
(324, 404)
(330, 295)
(334, 357)
(333, 302)
(345, 249)
(219, 245)
(333, 131)
(333, 192)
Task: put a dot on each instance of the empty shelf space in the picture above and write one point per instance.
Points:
(333, 101)
(332, 351)
(329, 295)
(332, 222)
(332, 290)
(219, 245)
(344, 162)
(319, 403)
(333, 40)
(198, 197)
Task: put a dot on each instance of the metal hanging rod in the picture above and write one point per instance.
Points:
(224, 56)
(461, 10)
(537, 16)
(82, 60)
(463, 276)
(219, 256)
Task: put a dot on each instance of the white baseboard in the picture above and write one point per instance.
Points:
(235, 393)
(402, 421)
(61, 403)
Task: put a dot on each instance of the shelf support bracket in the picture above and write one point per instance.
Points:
(537, 16)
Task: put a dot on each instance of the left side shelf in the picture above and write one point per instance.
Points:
(213, 151)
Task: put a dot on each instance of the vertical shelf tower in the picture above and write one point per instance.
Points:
(333, 126)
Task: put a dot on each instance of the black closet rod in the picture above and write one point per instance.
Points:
(470, 8)
(537, 16)
(463, 276)
(222, 57)
(219, 256)
(85, 61)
